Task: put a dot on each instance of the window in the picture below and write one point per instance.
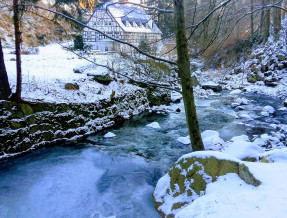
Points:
(106, 48)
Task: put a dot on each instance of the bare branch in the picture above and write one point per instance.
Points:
(114, 39)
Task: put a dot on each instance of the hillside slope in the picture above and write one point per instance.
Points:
(38, 27)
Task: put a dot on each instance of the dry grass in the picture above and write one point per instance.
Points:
(38, 27)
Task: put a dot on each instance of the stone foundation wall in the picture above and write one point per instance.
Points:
(24, 127)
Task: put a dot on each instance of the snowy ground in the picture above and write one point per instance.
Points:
(229, 196)
(45, 75)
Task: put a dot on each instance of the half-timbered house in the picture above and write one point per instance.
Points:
(120, 21)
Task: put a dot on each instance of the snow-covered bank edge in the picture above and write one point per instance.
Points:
(201, 183)
(26, 127)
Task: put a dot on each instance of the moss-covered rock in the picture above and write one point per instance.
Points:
(158, 96)
(40, 107)
(26, 109)
(71, 86)
(103, 79)
(189, 177)
(281, 57)
(254, 69)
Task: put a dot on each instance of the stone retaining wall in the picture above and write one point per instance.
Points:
(24, 127)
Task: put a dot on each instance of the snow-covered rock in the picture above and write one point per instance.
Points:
(175, 96)
(276, 155)
(268, 111)
(212, 141)
(189, 177)
(284, 128)
(236, 92)
(240, 138)
(245, 116)
(154, 125)
(243, 150)
(241, 101)
(109, 135)
(184, 140)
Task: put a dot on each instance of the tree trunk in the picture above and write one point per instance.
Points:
(277, 20)
(262, 15)
(252, 17)
(185, 76)
(266, 25)
(5, 90)
(18, 41)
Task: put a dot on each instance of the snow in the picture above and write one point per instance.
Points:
(45, 75)
(243, 149)
(240, 138)
(236, 92)
(208, 154)
(212, 141)
(184, 140)
(241, 101)
(276, 155)
(229, 196)
(154, 125)
(124, 13)
(175, 96)
(109, 135)
(268, 110)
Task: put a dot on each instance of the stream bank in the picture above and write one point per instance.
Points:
(25, 127)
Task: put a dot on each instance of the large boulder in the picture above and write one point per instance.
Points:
(103, 79)
(189, 177)
(213, 86)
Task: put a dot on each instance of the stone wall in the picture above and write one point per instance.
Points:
(24, 127)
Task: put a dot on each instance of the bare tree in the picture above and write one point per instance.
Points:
(18, 40)
(5, 90)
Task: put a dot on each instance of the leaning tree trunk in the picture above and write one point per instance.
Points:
(185, 76)
(18, 41)
(277, 20)
(5, 90)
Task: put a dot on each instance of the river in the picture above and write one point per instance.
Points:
(116, 176)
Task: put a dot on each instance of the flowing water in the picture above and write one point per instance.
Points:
(116, 176)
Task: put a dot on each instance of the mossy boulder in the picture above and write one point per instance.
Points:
(281, 57)
(254, 69)
(103, 79)
(253, 78)
(188, 178)
(213, 87)
(158, 96)
(71, 86)
(26, 109)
